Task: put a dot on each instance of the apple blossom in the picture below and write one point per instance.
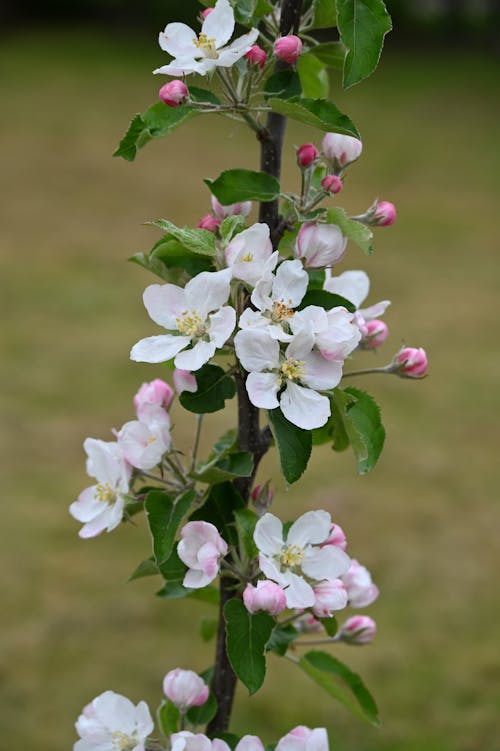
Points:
(184, 380)
(411, 362)
(354, 286)
(243, 208)
(256, 55)
(201, 547)
(320, 245)
(187, 741)
(296, 559)
(266, 595)
(112, 722)
(331, 183)
(250, 254)
(308, 624)
(202, 54)
(337, 537)
(246, 743)
(385, 214)
(206, 12)
(359, 585)
(185, 689)
(144, 441)
(195, 315)
(100, 506)
(360, 629)
(303, 738)
(330, 595)
(341, 150)
(288, 48)
(306, 154)
(173, 93)
(155, 392)
(374, 333)
(209, 222)
(335, 331)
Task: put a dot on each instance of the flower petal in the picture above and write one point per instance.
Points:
(256, 350)
(219, 24)
(268, 535)
(238, 48)
(321, 374)
(353, 285)
(164, 303)
(158, 348)
(178, 40)
(208, 291)
(375, 311)
(328, 562)
(193, 359)
(222, 325)
(312, 528)
(262, 389)
(299, 594)
(290, 283)
(304, 407)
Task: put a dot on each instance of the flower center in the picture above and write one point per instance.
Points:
(248, 258)
(291, 556)
(206, 46)
(292, 369)
(105, 493)
(281, 311)
(122, 741)
(189, 323)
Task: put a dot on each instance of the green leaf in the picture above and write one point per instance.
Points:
(247, 636)
(173, 569)
(335, 678)
(197, 240)
(284, 84)
(364, 414)
(361, 235)
(165, 515)
(168, 718)
(324, 16)
(294, 445)
(245, 521)
(208, 628)
(330, 625)
(342, 435)
(316, 279)
(326, 300)
(237, 185)
(281, 638)
(316, 112)
(202, 715)
(362, 26)
(330, 53)
(174, 276)
(158, 120)
(313, 77)
(202, 95)
(231, 226)
(219, 509)
(146, 568)
(239, 464)
(248, 12)
(214, 387)
(175, 255)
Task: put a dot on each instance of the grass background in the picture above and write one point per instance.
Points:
(425, 522)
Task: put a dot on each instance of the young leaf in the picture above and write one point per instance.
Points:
(313, 77)
(247, 636)
(364, 414)
(281, 638)
(174, 276)
(324, 16)
(330, 53)
(342, 435)
(246, 520)
(165, 516)
(326, 300)
(362, 26)
(145, 568)
(158, 120)
(214, 387)
(294, 445)
(335, 678)
(239, 464)
(202, 95)
(230, 226)
(197, 240)
(330, 625)
(316, 112)
(361, 235)
(202, 715)
(208, 628)
(284, 84)
(175, 255)
(219, 509)
(237, 185)
(168, 718)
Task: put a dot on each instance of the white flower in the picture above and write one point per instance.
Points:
(112, 723)
(185, 689)
(298, 561)
(300, 371)
(303, 738)
(201, 547)
(336, 333)
(355, 286)
(250, 254)
(188, 314)
(202, 54)
(320, 245)
(100, 506)
(144, 441)
(361, 590)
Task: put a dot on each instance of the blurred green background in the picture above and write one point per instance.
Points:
(425, 521)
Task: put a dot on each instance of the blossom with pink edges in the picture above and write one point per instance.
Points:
(288, 48)
(303, 738)
(184, 380)
(256, 55)
(361, 590)
(111, 721)
(337, 537)
(249, 254)
(385, 214)
(242, 208)
(201, 547)
(185, 689)
(330, 596)
(360, 629)
(411, 362)
(331, 183)
(374, 333)
(173, 93)
(354, 285)
(266, 596)
(144, 441)
(341, 150)
(210, 223)
(155, 392)
(320, 245)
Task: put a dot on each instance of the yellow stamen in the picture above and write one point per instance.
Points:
(281, 311)
(122, 741)
(105, 493)
(189, 323)
(206, 46)
(293, 370)
(248, 258)
(291, 556)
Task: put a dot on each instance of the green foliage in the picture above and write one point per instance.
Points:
(165, 515)
(335, 677)
(145, 568)
(247, 636)
(239, 464)
(230, 226)
(219, 509)
(362, 25)
(281, 638)
(359, 233)
(197, 240)
(331, 54)
(172, 261)
(283, 84)
(330, 625)
(316, 112)
(364, 416)
(245, 521)
(202, 715)
(214, 387)
(208, 628)
(249, 12)
(313, 77)
(236, 185)
(168, 717)
(343, 433)
(294, 445)
(158, 120)
(324, 16)
(326, 300)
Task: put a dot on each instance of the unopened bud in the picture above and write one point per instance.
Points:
(308, 624)
(331, 183)
(185, 689)
(209, 223)
(320, 245)
(336, 537)
(306, 154)
(341, 150)
(206, 12)
(262, 497)
(288, 48)
(374, 333)
(360, 629)
(156, 392)
(266, 596)
(256, 55)
(184, 380)
(173, 93)
(360, 588)
(385, 214)
(330, 595)
(243, 208)
(411, 362)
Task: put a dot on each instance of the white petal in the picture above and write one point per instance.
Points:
(321, 374)
(256, 350)
(271, 570)
(353, 285)
(290, 283)
(87, 507)
(158, 348)
(178, 40)
(183, 67)
(376, 310)
(219, 24)
(268, 534)
(262, 389)
(164, 303)
(304, 407)
(143, 719)
(252, 319)
(328, 562)
(222, 325)
(208, 291)
(195, 579)
(116, 712)
(299, 594)
(301, 345)
(193, 359)
(115, 513)
(312, 528)
(238, 48)
(250, 743)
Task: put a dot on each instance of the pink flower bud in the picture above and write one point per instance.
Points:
(332, 183)
(209, 223)
(256, 55)
(303, 738)
(184, 380)
(185, 689)
(288, 48)
(306, 154)
(201, 547)
(341, 150)
(173, 93)
(266, 596)
(374, 333)
(359, 585)
(308, 624)
(336, 537)
(242, 209)
(385, 214)
(156, 392)
(320, 245)
(360, 629)
(411, 362)
(262, 497)
(206, 12)
(330, 596)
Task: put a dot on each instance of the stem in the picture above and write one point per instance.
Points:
(199, 423)
(366, 371)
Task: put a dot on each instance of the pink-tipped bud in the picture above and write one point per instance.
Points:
(173, 93)
(374, 333)
(184, 380)
(266, 596)
(256, 55)
(320, 245)
(185, 689)
(360, 629)
(243, 208)
(384, 215)
(308, 624)
(411, 362)
(341, 150)
(209, 223)
(206, 12)
(360, 588)
(306, 154)
(288, 48)
(156, 392)
(262, 497)
(331, 183)
(336, 537)
(330, 595)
